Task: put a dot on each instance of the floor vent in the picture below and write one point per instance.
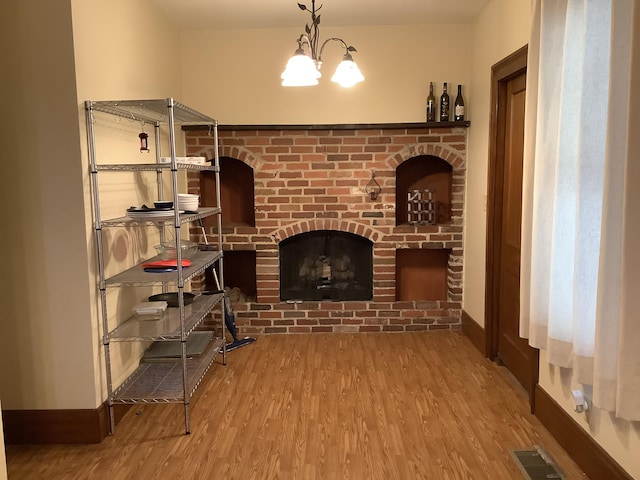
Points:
(537, 464)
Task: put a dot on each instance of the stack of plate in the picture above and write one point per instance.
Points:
(185, 160)
(149, 213)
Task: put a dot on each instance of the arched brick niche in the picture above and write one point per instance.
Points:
(236, 193)
(424, 172)
(308, 178)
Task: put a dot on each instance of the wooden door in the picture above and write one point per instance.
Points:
(504, 222)
(512, 350)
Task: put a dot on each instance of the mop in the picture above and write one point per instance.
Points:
(229, 316)
(230, 323)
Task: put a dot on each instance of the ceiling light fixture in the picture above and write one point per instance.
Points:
(304, 69)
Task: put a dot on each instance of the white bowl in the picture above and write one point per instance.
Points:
(192, 206)
(188, 201)
(188, 208)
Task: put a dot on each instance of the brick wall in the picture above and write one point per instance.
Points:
(308, 179)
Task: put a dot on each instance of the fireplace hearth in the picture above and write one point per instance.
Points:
(307, 246)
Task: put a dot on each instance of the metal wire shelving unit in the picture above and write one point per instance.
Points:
(170, 380)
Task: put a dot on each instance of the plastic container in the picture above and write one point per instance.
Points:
(150, 308)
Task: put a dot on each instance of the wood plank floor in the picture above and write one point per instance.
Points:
(424, 405)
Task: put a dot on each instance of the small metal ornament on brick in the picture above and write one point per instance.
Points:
(421, 207)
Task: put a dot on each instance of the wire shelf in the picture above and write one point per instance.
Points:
(152, 167)
(137, 277)
(153, 111)
(162, 382)
(184, 218)
(166, 327)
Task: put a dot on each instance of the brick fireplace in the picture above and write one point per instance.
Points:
(283, 182)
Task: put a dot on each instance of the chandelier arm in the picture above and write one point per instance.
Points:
(342, 42)
(315, 38)
(315, 29)
(304, 38)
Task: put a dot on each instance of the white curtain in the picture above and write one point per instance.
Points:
(580, 272)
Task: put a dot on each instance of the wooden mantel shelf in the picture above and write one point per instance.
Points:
(339, 126)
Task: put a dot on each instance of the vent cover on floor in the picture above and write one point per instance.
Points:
(537, 464)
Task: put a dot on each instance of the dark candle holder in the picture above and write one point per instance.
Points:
(373, 188)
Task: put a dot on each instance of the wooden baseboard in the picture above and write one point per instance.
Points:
(580, 446)
(58, 426)
(474, 332)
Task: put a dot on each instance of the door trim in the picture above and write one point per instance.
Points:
(503, 71)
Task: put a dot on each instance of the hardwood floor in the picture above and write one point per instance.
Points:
(424, 405)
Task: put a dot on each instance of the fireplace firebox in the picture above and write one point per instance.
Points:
(326, 265)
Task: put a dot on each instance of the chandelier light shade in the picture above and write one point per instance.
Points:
(303, 69)
(347, 74)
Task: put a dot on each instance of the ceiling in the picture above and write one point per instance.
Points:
(256, 14)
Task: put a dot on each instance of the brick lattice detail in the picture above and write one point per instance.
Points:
(314, 179)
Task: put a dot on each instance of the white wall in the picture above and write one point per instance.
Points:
(235, 75)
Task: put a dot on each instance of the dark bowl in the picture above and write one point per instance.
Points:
(163, 204)
(172, 298)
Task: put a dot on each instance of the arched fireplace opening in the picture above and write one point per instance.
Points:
(326, 265)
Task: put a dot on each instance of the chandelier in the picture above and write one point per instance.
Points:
(304, 69)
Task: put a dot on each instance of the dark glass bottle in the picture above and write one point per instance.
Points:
(444, 104)
(458, 106)
(431, 105)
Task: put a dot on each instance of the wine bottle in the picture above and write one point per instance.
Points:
(458, 106)
(431, 105)
(444, 104)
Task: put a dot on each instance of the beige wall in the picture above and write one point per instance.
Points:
(45, 334)
(132, 52)
(49, 345)
(50, 354)
(620, 438)
(502, 28)
(235, 75)
(124, 49)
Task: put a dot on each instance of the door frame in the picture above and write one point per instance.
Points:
(503, 71)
